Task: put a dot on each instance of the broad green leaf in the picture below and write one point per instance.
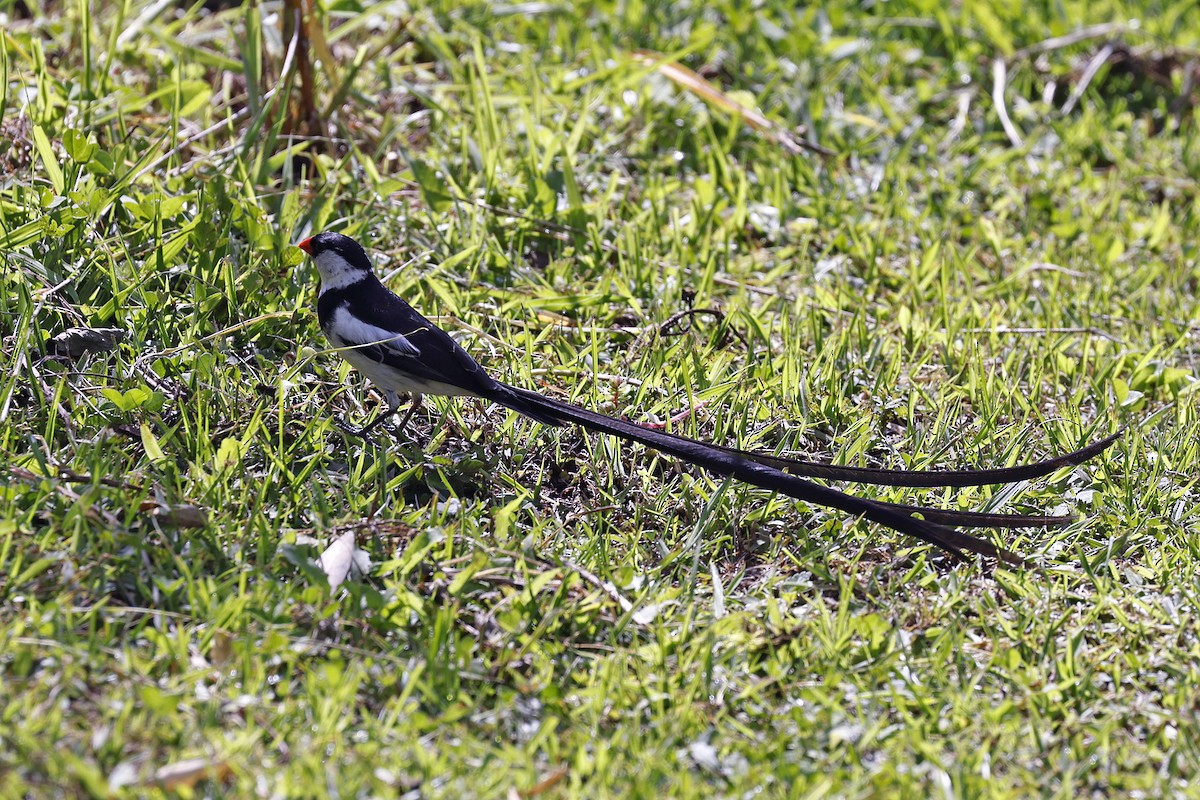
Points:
(49, 160)
(150, 443)
(78, 147)
(229, 454)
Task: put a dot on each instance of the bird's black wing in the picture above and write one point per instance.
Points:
(437, 358)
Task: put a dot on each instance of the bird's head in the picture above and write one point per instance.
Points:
(340, 260)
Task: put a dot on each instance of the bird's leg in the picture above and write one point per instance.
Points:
(416, 403)
(393, 402)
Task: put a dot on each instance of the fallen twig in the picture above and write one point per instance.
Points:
(999, 81)
(1097, 61)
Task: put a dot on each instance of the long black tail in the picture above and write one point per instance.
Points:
(939, 478)
(556, 412)
(722, 461)
(532, 406)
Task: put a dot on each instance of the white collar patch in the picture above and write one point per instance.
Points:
(336, 272)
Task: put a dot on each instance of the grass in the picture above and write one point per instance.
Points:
(547, 612)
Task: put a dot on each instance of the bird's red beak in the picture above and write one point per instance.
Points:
(306, 245)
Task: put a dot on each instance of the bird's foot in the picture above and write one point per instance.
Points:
(358, 433)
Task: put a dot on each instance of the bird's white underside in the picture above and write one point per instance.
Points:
(348, 335)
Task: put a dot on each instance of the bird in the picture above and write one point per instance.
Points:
(402, 352)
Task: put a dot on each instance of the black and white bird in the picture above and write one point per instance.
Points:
(401, 351)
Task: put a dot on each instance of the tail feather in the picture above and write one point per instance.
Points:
(732, 464)
(928, 478)
(531, 404)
